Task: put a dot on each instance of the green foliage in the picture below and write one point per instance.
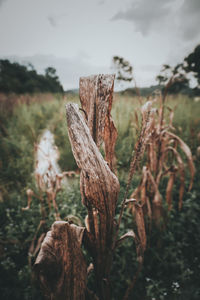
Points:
(172, 260)
(19, 79)
(125, 127)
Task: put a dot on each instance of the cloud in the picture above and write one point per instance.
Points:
(180, 18)
(191, 7)
(52, 21)
(2, 1)
(189, 15)
(146, 14)
(101, 2)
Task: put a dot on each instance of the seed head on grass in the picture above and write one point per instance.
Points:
(147, 120)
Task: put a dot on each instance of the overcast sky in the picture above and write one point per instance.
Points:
(80, 37)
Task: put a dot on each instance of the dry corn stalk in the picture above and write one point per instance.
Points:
(137, 154)
(96, 96)
(163, 159)
(99, 190)
(158, 141)
(140, 237)
(99, 186)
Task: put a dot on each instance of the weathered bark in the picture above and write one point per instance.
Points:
(60, 266)
(99, 190)
(96, 95)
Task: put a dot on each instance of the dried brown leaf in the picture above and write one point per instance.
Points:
(110, 137)
(142, 141)
(143, 185)
(129, 234)
(96, 223)
(96, 97)
(182, 174)
(152, 156)
(149, 211)
(188, 154)
(136, 192)
(60, 266)
(169, 190)
(99, 186)
(87, 224)
(157, 207)
(157, 200)
(139, 218)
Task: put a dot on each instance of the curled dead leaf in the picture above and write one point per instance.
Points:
(60, 266)
(169, 190)
(182, 175)
(139, 218)
(188, 154)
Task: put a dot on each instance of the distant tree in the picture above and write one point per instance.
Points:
(192, 64)
(125, 72)
(177, 77)
(123, 68)
(50, 72)
(21, 79)
(52, 79)
(164, 75)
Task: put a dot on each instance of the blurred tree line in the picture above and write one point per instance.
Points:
(19, 79)
(180, 75)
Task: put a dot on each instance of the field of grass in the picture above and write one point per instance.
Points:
(172, 260)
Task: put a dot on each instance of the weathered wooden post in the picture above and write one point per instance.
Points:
(99, 190)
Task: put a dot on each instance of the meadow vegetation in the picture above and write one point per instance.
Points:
(172, 258)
